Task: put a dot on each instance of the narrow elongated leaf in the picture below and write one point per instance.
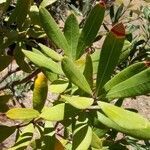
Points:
(74, 75)
(82, 137)
(52, 30)
(125, 74)
(3, 102)
(51, 53)
(20, 12)
(4, 62)
(40, 91)
(22, 113)
(50, 75)
(138, 84)
(124, 118)
(43, 62)
(71, 32)
(6, 132)
(46, 3)
(90, 29)
(20, 59)
(141, 133)
(58, 86)
(78, 102)
(24, 139)
(109, 56)
(58, 112)
(88, 70)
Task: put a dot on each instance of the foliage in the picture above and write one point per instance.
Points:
(84, 115)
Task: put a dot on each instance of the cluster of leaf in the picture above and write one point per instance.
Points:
(83, 116)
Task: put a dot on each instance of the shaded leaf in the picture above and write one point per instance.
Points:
(4, 62)
(52, 30)
(78, 102)
(43, 62)
(74, 75)
(90, 29)
(22, 113)
(109, 55)
(138, 84)
(71, 32)
(6, 132)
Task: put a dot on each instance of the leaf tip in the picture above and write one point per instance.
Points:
(119, 30)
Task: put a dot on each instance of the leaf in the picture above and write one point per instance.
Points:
(48, 139)
(46, 3)
(20, 12)
(4, 62)
(125, 74)
(50, 75)
(96, 141)
(90, 29)
(58, 86)
(74, 75)
(3, 100)
(109, 55)
(51, 53)
(71, 32)
(82, 137)
(43, 62)
(24, 139)
(122, 120)
(88, 70)
(6, 132)
(138, 84)
(58, 112)
(52, 30)
(78, 102)
(22, 114)
(19, 57)
(40, 91)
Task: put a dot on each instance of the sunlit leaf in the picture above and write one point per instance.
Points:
(78, 102)
(22, 113)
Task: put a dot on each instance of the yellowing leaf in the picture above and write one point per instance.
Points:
(22, 113)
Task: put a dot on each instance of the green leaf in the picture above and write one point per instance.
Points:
(88, 70)
(58, 112)
(52, 30)
(20, 59)
(6, 132)
(22, 114)
(20, 12)
(3, 100)
(122, 120)
(43, 62)
(48, 139)
(58, 86)
(78, 102)
(138, 84)
(51, 53)
(96, 141)
(71, 32)
(46, 3)
(82, 137)
(74, 75)
(90, 29)
(24, 139)
(125, 74)
(50, 75)
(109, 55)
(4, 62)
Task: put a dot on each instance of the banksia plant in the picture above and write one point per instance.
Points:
(85, 84)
